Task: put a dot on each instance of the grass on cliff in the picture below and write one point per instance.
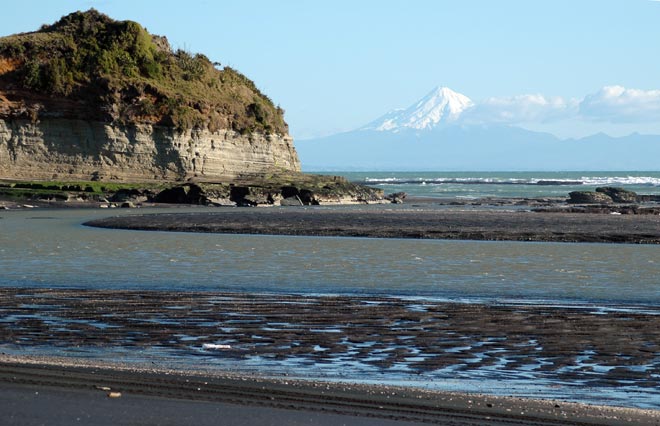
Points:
(61, 190)
(124, 74)
(92, 187)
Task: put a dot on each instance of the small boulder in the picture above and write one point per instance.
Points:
(251, 196)
(184, 194)
(588, 197)
(221, 201)
(618, 195)
(290, 192)
(397, 197)
(291, 201)
(307, 197)
(133, 195)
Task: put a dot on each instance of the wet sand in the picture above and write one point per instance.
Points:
(62, 392)
(581, 345)
(383, 222)
(563, 346)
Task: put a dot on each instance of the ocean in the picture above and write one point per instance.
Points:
(347, 309)
(472, 185)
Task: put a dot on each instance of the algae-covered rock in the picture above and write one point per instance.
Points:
(618, 195)
(588, 197)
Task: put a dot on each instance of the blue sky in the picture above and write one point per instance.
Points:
(336, 65)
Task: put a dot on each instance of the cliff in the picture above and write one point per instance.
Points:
(69, 149)
(90, 98)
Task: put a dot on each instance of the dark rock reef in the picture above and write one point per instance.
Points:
(588, 197)
(608, 195)
(618, 195)
(283, 189)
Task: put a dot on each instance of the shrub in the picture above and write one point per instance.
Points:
(32, 75)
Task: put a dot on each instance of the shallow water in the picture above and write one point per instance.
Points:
(51, 249)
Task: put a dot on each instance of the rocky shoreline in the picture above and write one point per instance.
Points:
(295, 189)
(276, 189)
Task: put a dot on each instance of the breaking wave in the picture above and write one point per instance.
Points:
(585, 180)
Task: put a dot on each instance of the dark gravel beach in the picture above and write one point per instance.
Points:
(383, 222)
(59, 392)
(63, 392)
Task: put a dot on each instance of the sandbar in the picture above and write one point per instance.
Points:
(422, 223)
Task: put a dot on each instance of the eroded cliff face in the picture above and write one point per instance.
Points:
(83, 150)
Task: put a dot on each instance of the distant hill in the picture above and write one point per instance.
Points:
(87, 65)
(429, 135)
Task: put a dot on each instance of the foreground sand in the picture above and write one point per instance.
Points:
(385, 222)
(49, 390)
(62, 392)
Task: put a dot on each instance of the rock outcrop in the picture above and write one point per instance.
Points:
(102, 111)
(606, 195)
(588, 197)
(91, 98)
(67, 149)
(618, 195)
(315, 191)
(397, 197)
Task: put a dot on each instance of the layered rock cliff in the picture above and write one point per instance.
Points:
(90, 98)
(69, 149)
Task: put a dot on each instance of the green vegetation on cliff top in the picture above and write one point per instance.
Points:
(90, 66)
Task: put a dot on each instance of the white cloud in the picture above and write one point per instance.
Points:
(617, 104)
(613, 104)
(520, 109)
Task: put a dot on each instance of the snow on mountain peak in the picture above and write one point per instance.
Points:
(441, 105)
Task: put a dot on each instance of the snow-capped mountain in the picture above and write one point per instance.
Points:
(440, 106)
(431, 135)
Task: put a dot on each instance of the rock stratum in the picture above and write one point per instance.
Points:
(91, 98)
(70, 149)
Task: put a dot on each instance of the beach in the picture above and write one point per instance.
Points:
(435, 214)
(62, 392)
(417, 336)
(227, 339)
